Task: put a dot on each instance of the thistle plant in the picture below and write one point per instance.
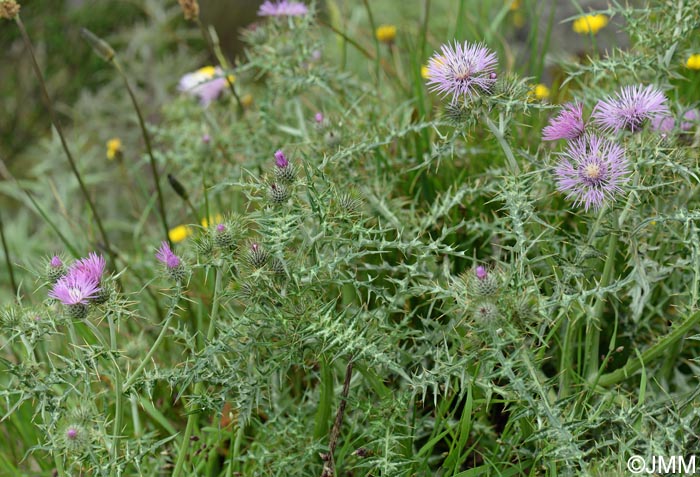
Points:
(416, 251)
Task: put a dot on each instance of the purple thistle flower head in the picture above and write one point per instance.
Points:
(206, 138)
(591, 171)
(93, 266)
(568, 124)
(630, 108)
(282, 8)
(56, 262)
(206, 83)
(72, 433)
(281, 159)
(220, 228)
(462, 70)
(691, 116)
(75, 288)
(481, 272)
(319, 118)
(166, 256)
(663, 124)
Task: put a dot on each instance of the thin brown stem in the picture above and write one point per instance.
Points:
(329, 466)
(59, 129)
(10, 268)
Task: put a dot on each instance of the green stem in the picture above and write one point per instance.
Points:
(194, 416)
(8, 261)
(593, 326)
(154, 348)
(235, 449)
(635, 364)
(57, 124)
(119, 405)
(500, 137)
(149, 149)
(325, 400)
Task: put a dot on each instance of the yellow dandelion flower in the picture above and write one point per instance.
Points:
(179, 233)
(693, 62)
(590, 24)
(114, 148)
(424, 72)
(386, 33)
(540, 91)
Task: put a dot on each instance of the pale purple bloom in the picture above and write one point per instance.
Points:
(568, 124)
(166, 256)
(74, 288)
(220, 228)
(56, 262)
(72, 433)
(93, 266)
(663, 124)
(280, 159)
(282, 8)
(630, 108)
(462, 70)
(206, 138)
(206, 83)
(319, 118)
(692, 116)
(591, 171)
(481, 272)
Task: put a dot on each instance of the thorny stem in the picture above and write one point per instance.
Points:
(154, 348)
(194, 416)
(498, 134)
(8, 261)
(149, 149)
(56, 123)
(119, 405)
(329, 466)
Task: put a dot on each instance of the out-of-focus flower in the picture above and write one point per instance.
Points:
(283, 8)
(114, 148)
(385, 33)
(211, 220)
(247, 100)
(630, 108)
(179, 233)
(590, 24)
(166, 256)
(568, 124)
(8, 9)
(591, 171)
(462, 71)
(540, 91)
(424, 72)
(190, 9)
(318, 117)
(206, 83)
(693, 62)
(666, 124)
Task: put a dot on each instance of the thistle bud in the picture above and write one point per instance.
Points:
(224, 238)
(75, 438)
(79, 311)
(54, 269)
(257, 256)
(485, 312)
(100, 46)
(177, 187)
(481, 282)
(278, 193)
(284, 171)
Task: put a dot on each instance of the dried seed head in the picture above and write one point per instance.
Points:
(190, 9)
(9, 9)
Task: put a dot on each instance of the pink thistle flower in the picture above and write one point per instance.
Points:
(591, 171)
(481, 272)
(166, 256)
(56, 261)
(568, 124)
(280, 159)
(75, 288)
(93, 266)
(462, 70)
(630, 108)
(283, 8)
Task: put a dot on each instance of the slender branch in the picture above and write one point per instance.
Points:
(57, 124)
(119, 404)
(329, 466)
(149, 149)
(10, 268)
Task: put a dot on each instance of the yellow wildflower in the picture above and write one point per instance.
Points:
(218, 218)
(693, 62)
(247, 100)
(590, 24)
(424, 72)
(540, 91)
(515, 4)
(518, 19)
(114, 148)
(207, 72)
(179, 233)
(386, 33)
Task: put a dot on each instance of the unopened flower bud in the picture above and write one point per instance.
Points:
(177, 187)
(100, 46)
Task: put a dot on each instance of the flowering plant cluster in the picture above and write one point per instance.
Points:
(336, 253)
